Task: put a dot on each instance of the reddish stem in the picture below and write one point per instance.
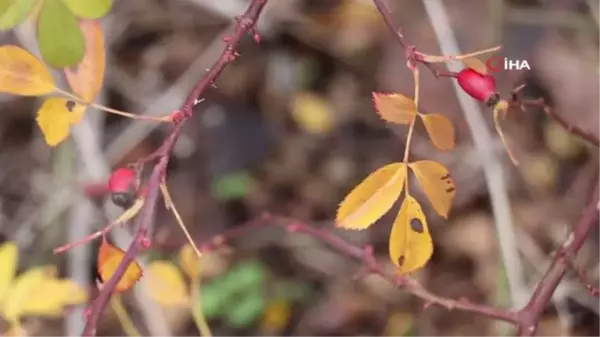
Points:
(145, 220)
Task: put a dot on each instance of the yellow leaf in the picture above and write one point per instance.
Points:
(410, 242)
(51, 297)
(26, 284)
(189, 262)
(9, 256)
(476, 65)
(437, 184)
(395, 108)
(55, 117)
(372, 198)
(312, 113)
(109, 258)
(276, 316)
(440, 130)
(87, 77)
(165, 284)
(23, 74)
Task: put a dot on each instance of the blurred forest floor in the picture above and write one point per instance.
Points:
(291, 129)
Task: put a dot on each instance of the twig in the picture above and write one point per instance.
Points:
(483, 141)
(145, 220)
(365, 256)
(530, 315)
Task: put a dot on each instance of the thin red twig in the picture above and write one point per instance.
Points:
(363, 255)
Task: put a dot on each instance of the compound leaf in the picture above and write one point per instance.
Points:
(23, 74)
(372, 198)
(437, 184)
(440, 130)
(410, 242)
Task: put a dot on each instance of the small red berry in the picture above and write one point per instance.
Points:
(122, 185)
(479, 86)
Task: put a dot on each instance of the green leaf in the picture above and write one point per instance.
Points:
(245, 276)
(13, 12)
(232, 186)
(214, 300)
(89, 9)
(247, 310)
(59, 36)
(4, 5)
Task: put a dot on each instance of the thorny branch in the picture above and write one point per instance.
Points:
(525, 320)
(245, 24)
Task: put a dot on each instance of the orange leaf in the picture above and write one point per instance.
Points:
(476, 65)
(410, 242)
(23, 74)
(372, 198)
(109, 258)
(87, 77)
(395, 108)
(437, 184)
(440, 130)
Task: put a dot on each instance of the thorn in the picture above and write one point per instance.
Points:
(427, 304)
(145, 242)
(230, 56)
(227, 38)
(214, 86)
(256, 37)
(87, 313)
(235, 53)
(198, 101)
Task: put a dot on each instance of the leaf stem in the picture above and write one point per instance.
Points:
(197, 313)
(161, 119)
(411, 128)
(123, 317)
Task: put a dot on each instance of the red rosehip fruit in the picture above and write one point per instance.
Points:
(122, 185)
(482, 87)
